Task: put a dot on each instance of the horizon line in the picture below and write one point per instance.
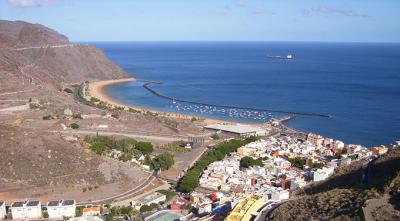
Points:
(227, 41)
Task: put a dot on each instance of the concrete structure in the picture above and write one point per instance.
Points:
(31, 209)
(92, 211)
(60, 209)
(322, 174)
(148, 199)
(246, 209)
(279, 195)
(242, 130)
(3, 211)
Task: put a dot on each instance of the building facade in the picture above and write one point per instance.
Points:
(31, 209)
(60, 209)
(3, 211)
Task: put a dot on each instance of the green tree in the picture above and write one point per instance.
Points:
(163, 161)
(144, 147)
(297, 162)
(247, 162)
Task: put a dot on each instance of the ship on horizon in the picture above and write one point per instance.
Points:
(289, 56)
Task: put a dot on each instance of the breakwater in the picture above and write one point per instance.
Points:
(151, 90)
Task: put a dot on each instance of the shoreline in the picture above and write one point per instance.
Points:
(96, 89)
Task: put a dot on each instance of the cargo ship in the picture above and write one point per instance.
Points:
(289, 56)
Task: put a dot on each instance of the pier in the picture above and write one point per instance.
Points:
(147, 83)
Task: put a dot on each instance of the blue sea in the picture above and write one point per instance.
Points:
(356, 84)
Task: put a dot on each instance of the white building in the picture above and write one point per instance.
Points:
(31, 209)
(242, 130)
(60, 209)
(148, 199)
(322, 174)
(3, 211)
(280, 195)
(91, 212)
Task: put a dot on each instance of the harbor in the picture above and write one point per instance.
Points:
(230, 109)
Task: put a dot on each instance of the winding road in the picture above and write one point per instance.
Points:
(111, 199)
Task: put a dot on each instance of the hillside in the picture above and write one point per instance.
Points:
(41, 156)
(37, 56)
(36, 63)
(343, 196)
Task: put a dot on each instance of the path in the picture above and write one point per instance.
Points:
(16, 108)
(126, 134)
(41, 47)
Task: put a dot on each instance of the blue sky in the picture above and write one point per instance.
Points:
(213, 20)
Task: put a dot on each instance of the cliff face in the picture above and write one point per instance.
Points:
(38, 56)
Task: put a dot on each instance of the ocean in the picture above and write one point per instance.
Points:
(356, 84)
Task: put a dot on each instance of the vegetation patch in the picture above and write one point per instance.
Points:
(247, 162)
(68, 90)
(74, 126)
(175, 147)
(168, 194)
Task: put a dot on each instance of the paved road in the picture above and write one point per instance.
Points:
(126, 134)
(40, 47)
(111, 199)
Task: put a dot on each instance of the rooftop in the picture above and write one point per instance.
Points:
(150, 197)
(68, 202)
(33, 203)
(18, 204)
(91, 209)
(53, 203)
(235, 128)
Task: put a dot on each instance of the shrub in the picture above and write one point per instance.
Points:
(47, 117)
(215, 136)
(68, 90)
(115, 115)
(74, 126)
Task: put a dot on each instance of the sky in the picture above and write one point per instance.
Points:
(213, 20)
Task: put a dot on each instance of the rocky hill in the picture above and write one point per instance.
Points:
(345, 197)
(38, 56)
(36, 63)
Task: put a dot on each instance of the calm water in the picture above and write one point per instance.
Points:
(357, 84)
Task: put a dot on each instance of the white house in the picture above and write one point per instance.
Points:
(3, 211)
(60, 209)
(91, 212)
(280, 195)
(322, 174)
(31, 209)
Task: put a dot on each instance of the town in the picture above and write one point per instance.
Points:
(246, 183)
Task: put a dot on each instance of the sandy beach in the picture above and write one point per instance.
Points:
(96, 90)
